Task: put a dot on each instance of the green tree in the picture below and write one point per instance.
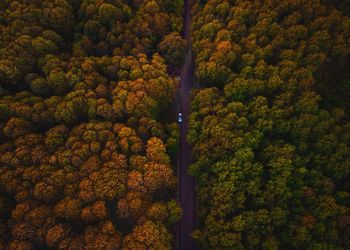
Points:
(173, 48)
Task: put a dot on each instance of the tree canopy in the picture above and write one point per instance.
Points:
(84, 151)
(271, 144)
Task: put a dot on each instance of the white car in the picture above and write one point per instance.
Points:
(179, 118)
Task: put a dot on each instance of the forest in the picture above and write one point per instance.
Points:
(89, 144)
(269, 127)
(86, 148)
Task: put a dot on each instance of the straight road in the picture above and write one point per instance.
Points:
(186, 188)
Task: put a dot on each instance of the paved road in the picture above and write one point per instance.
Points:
(186, 185)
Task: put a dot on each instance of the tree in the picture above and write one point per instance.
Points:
(108, 13)
(267, 152)
(82, 90)
(173, 48)
(147, 235)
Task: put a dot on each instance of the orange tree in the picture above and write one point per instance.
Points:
(84, 153)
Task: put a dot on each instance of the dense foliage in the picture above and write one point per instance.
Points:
(271, 145)
(341, 5)
(84, 153)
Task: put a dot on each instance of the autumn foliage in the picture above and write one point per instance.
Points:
(84, 153)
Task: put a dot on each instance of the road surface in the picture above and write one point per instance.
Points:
(186, 182)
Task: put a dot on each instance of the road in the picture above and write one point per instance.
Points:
(186, 182)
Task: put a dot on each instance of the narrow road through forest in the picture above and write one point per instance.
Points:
(186, 189)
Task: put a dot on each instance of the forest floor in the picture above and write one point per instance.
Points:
(186, 185)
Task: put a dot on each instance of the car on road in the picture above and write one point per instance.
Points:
(179, 118)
